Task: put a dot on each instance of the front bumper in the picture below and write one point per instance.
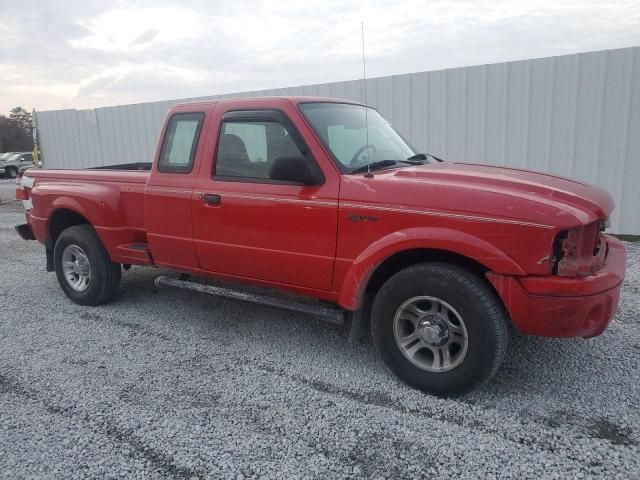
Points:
(1, 170)
(555, 306)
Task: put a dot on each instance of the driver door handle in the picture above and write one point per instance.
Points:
(212, 199)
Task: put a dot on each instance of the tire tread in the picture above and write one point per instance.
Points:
(101, 264)
(473, 284)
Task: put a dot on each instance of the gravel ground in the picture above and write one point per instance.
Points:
(7, 190)
(172, 384)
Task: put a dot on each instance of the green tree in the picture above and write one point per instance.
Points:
(22, 118)
(15, 131)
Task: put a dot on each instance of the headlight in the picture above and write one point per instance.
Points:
(579, 251)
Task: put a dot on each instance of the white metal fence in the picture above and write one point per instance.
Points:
(574, 115)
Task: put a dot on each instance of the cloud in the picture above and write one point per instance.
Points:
(144, 38)
(127, 29)
(61, 54)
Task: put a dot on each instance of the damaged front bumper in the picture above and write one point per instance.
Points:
(557, 306)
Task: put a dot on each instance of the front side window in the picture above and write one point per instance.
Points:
(248, 148)
(180, 142)
(356, 135)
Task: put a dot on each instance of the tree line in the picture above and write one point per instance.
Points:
(16, 131)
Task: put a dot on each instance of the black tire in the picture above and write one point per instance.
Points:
(11, 172)
(104, 274)
(476, 303)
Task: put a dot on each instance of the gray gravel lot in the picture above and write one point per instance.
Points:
(7, 190)
(172, 384)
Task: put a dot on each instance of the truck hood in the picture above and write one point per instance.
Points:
(507, 193)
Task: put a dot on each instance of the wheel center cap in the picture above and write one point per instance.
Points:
(433, 330)
(81, 267)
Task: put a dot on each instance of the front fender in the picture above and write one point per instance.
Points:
(454, 241)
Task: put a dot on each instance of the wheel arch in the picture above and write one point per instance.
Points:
(406, 258)
(63, 218)
(399, 250)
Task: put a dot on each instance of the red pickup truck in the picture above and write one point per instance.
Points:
(323, 198)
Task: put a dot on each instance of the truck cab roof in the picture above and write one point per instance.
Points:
(270, 100)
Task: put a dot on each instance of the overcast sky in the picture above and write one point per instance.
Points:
(76, 54)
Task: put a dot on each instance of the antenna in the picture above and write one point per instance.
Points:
(366, 113)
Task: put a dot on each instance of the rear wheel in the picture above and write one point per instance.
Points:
(439, 328)
(84, 270)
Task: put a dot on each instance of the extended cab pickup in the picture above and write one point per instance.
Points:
(324, 198)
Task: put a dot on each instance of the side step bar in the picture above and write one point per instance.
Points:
(331, 314)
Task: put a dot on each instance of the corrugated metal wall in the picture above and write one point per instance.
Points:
(574, 115)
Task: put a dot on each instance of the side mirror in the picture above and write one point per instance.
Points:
(296, 169)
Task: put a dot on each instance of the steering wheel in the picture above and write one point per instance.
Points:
(361, 150)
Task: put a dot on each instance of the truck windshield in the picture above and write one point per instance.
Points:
(355, 139)
(4, 156)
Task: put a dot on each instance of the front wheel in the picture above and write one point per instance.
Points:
(439, 328)
(11, 172)
(84, 270)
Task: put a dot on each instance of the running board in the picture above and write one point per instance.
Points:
(327, 312)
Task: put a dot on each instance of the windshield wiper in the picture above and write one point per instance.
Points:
(374, 166)
(417, 159)
(412, 161)
(423, 157)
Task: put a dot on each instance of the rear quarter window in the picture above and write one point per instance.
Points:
(180, 143)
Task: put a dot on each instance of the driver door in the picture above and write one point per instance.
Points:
(249, 225)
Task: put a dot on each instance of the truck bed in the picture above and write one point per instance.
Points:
(112, 200)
